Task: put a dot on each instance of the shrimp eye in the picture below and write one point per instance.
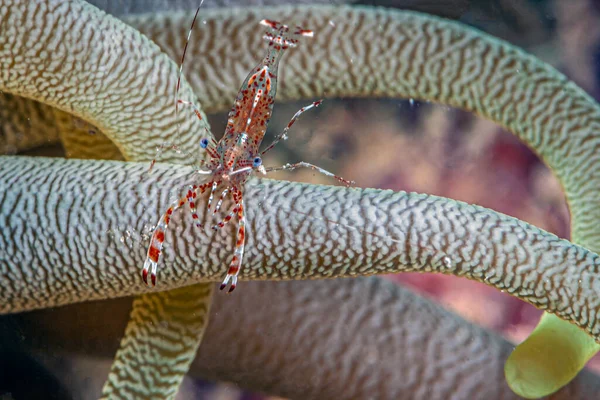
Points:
(204, 143)
(257, 162)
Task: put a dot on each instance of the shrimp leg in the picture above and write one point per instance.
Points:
(158, 236)
(157, 240)
(223, 195)
(238, 254)
(302, 164)
(283, 135)
(225, 220)
(191, 197)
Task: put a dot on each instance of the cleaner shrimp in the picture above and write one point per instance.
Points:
(236, 156)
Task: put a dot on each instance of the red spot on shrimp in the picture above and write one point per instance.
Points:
(154, 253)
(233, 269)
(160, 236)
(241, 237)
(271, 23)
(304, 32)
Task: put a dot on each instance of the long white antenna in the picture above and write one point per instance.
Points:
(181, 70)
(173, 144)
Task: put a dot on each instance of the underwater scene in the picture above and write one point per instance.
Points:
(275, 199)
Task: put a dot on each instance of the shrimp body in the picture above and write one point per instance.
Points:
(248, 118)
(236, 156)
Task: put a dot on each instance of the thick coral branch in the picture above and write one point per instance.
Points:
(91, 209)
(328, 339)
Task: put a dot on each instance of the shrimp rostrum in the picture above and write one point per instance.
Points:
(236, 156)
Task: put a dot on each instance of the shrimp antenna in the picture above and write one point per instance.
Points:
(177, 101)
(187, 42)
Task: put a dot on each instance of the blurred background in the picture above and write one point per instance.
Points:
(414, 146)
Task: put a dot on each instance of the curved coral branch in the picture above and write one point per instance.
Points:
(94, 67)
(296, 232)
(336, 338)
(160, 342)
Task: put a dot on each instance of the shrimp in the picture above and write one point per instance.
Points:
(236, 156)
